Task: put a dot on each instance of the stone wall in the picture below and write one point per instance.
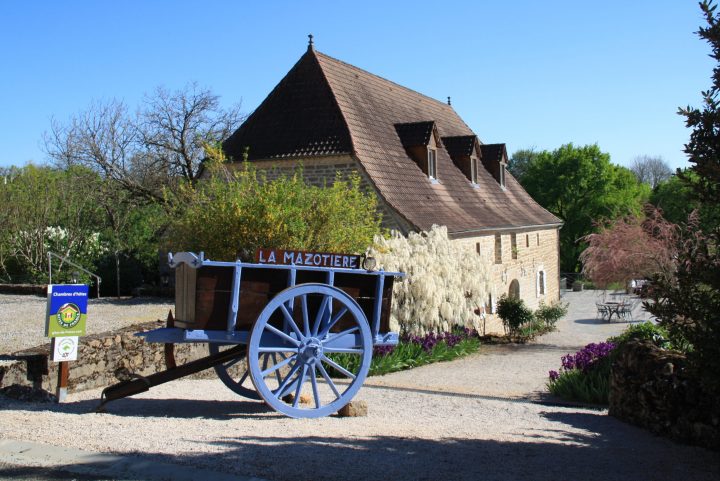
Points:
(535, 251)
(102, 358)
(651, 388)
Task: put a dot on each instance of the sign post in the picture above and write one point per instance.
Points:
(65, 322)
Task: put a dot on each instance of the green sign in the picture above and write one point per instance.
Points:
(66, 310)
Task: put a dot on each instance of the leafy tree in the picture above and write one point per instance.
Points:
(632, 247)
(687, 303)
(233, 213)
(520, 161)
(677, 199)
(47, 210)
(650, 170)
(581, 186)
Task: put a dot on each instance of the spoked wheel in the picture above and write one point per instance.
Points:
(234, 375)
(308, 325)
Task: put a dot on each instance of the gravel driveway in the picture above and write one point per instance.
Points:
(22, 318)
(471, 419)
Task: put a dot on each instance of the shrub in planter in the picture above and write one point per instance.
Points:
(514, 314)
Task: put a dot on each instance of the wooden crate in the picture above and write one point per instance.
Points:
(202, 296)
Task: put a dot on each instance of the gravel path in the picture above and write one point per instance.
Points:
(22, 318)
(519, 371)
(449, 421)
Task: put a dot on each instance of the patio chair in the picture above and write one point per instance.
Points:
(603, 313)
(626, 310)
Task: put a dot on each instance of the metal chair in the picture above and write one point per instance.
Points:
(626, 310)
(603, 313)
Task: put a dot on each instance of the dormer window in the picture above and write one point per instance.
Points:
(473, 170)
(464, 151)
(421, 141)
(432, 164)
(494, 158)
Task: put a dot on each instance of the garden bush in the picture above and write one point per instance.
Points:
(233, 213)
(551, 313)
(514, 314)
(585, 376)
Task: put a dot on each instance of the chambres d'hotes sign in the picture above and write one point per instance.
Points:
(311, 259)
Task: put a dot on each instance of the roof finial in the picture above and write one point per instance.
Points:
(449, 100)
(311, 45)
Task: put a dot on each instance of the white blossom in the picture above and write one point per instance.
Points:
(444, 285)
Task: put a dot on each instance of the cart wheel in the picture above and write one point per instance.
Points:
(299, 326)
(240, 382)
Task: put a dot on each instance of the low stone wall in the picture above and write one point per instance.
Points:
(651, 388)
(103, 359)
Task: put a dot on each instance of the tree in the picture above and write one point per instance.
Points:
(676, 197)
(631, 247)
(47, 210)
(150, 152)
(581, 186)
(703, 149)
(650, 170)
(520, 161)
(687, 302)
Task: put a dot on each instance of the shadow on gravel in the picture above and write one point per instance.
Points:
(597, 322)
(612, 453)
(167, 408)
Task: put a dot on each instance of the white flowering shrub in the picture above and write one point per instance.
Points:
(445, 285)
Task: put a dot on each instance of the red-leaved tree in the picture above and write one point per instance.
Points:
(632, 247)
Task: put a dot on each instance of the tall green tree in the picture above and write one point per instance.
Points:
(581, 186)
(687, 302)
(677, 199)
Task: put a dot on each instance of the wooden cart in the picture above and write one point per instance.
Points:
(306, 331)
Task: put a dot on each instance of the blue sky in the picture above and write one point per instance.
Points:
(527, 73)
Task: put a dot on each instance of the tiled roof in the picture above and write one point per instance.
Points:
(492, 152)
(299, 118)
(326, 106)
(460, 145)
(415, 133)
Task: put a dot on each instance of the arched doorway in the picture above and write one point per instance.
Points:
(514, 291)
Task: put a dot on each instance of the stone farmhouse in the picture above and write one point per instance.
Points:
(423, 162)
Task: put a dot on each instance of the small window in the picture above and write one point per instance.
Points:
(432, 164)
(538, 238)
(473, 170)
(527, 240)
(477, 247)
(541, 283)
(502, 175)
(498, 249)
(513, 245)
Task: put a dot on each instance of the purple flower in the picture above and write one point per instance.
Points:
(586, 358)
(554, 375)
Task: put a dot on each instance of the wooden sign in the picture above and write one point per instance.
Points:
(302, 258)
